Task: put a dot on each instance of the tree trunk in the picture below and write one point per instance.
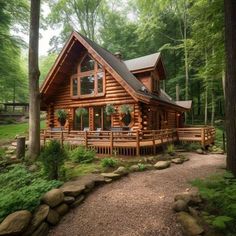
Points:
(230, 86)
(206, 105)
(34, 96)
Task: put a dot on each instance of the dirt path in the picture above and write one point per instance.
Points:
(139, 204)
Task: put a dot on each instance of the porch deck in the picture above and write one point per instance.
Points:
(130, 143)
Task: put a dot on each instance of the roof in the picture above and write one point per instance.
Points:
(140, 63)
(185, 104)
(122, 68)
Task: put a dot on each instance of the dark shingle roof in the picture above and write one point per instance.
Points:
(148, 61)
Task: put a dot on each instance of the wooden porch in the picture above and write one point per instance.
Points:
(130, 143)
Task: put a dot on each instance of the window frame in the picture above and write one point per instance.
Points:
(94, 73)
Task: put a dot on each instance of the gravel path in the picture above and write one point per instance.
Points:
(139, 204)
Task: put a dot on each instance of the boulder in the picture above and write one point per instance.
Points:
(62, 209)
(180, 205)
(199, 151)
(121, 171)
(183, 196)
(189, 224)
(112, 176)
(177, 160)
(89, 185)
(162, 165)
(72, 189)
(77, 201)
(53, 217)
(149, 167)
(53, 198)
(108, 181)
(39, 216)
(42, 230)
(15, 223)
(134, 168)
(190, 198)
(69, 200)
(184, 158)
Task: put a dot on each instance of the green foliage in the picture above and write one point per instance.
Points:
(110, 109)
(126, 109)
(190, 146)
(21, 189)
(82, 155)
(219, 193)
(141, 167)
(61, 116)
(52, 158)
(170, 149)
(109, 162)
(81, 112)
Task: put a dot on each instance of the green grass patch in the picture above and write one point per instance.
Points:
(8, 132)
(21, 189)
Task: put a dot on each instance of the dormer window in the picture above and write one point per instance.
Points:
(89, 81)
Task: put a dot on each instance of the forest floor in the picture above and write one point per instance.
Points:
(140, 204)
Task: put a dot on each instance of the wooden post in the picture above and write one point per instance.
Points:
(86, 139)
(20, 147)
(203, 137)
(137, 144)
(153, 142)
(111, 142)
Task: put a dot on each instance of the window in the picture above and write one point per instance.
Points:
(90, 79)
(81, 118)
(127, 119)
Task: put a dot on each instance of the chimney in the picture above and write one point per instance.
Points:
(118, 55)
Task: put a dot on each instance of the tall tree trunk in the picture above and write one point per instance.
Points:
(206, 105)
(199, 101)
(34, 96)
(230, 86)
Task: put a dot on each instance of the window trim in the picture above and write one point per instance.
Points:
(94, 72)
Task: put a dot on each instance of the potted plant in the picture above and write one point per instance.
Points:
(110, 109)
(126, 109)
(61, 116)
(81, 112)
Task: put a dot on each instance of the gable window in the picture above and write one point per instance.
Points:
(89, 81)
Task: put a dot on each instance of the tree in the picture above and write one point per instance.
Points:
(34, 73)
(230, 45)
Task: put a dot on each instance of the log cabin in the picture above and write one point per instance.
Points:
(102, 93)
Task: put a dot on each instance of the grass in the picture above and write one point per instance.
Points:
(8, 132)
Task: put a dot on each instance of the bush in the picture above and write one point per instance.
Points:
(141, 167)
(191, 146)
(219, 193)
(82, 155)
(52, 158)
(170, 149)
(22, 190)
(109, 162)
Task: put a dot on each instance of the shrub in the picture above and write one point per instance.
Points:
(191, 146)
(82, 155)
(52, 158)
(141, 167)
(21, 190)
(108, 162)
(219, 193)
(170, 149)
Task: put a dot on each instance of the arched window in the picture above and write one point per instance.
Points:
(90, 79)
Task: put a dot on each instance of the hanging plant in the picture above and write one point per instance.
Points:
(110, 109)
(81, 112)
(126, 109)
(61, 116)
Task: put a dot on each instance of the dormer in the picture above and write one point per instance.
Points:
(149, 70)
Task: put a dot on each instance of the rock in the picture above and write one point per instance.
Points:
(73, 190)
(184, 158)
(11, 148)
(11, 151)
(39, 216)
(177, 160)
(89, 186)
(150, 159)
(193, 212)
(77, 202)
(15, 223)
(53, 198)
(199, 151)
(134, 168)
(14, 144)
(108, 181)
(149, 167)
(183, 196)
(69, 200)
(189, 224)
(112, 176)
(53, 217)
(180, 205)
(121, 171)
(162, 165)
(62, 209)
(42, 230)
(33, 168)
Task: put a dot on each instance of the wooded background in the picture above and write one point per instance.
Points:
(189, 33)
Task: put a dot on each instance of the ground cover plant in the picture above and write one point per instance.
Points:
(109, 162)
(82, 155)
(219, 207)
(21, 189)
